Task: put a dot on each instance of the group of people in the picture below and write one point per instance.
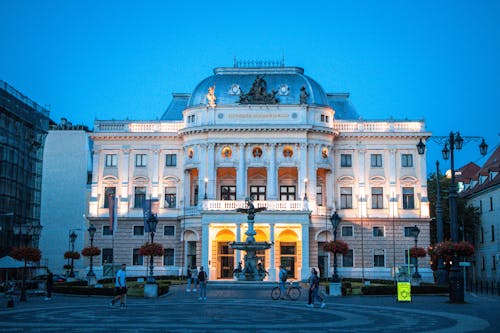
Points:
(198, 279)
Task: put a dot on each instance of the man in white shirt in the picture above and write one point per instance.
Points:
(120, 287)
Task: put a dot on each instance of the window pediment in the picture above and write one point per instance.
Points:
(408, 180)
(345, 180)
(110, 180)
(377, 180)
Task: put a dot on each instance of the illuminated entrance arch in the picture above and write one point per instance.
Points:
(224, 254)
(288, 245)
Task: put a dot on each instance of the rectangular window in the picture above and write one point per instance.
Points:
(347, 259)
(137, 259)
(322, 117)
(171, 160)
(376, 160)
(258, 193)
(413, 261)
(170, 197)
(108, 192)
(378, 231)
(168, 257)
(408, 231)
(141, 160)
(169, 230)
(347, 231)
(319, 195)
(493, 263)
(377, 197)
(379, 258)
(139, 196)
(191, 253)
(138, 230)
(491, 203)
(480, 206)
(483, 264)
(346, 197)
(407, 160)
(107, 231)
(345, 160)
(482, 235)
(287, 193)
(492, 233)
(107, 256)
(111, 160)
(228, 192)
(408, 198)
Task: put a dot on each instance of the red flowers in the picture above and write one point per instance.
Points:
(448, 249)
(151, 249)
(91, 251)
(417, 252)
(71, 255)
(26, 253)
(336, 247)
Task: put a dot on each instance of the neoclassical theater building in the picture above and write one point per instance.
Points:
(270, 133)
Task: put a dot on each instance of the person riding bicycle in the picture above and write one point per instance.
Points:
(282, 278)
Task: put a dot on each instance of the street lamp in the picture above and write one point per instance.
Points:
(92, 229)
(305, 188)
(72, 239)
(206, 183)
(441, 274)
(452, 142)
(152, 222)
(335, 220)
(415, 231)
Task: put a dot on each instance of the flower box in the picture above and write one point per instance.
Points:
(337, 246)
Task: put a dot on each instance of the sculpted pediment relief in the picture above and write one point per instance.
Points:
(408, 180)
(377, 180)
(345, 180)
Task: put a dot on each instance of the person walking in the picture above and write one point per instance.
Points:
(48, 285)
(282, 277)
(120, 287)
(314, 290)
(189, 278)
(202, 278)
(194, 277)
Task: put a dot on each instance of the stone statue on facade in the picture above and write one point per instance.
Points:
(258, 93)
(304, 96)
(211, 96)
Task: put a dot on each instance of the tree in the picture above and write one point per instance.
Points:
(468, 216)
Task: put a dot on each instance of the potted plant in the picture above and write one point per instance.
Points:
(336, 247)
(151, 249)
(418, 252)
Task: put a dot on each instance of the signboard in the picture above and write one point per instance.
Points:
(404, 292)
(464, 264)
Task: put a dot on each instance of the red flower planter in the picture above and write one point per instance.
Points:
(417, 252)
(26, 254)
(338, 246)
(448, 249)
(91, 251)
(151, 249)
(71, 255)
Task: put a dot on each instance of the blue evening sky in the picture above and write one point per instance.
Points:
(433, 60)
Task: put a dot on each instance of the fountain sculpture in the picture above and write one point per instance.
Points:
(253, 270)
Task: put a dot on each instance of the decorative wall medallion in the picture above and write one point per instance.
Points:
(220, 115)
(294, 115)
(235, 89)
(283, 90)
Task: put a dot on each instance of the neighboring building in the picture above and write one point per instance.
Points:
(23, 126)
(65, 190)
(272, 134)
(482, 190)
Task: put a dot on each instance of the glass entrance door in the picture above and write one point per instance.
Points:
(288, 251)
(225, 261)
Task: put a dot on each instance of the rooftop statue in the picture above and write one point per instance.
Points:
(304, 96)
(258, 93)
(211, 96)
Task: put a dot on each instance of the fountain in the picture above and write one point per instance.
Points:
(253, 270)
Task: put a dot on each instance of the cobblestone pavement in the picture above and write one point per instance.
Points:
(236, 308)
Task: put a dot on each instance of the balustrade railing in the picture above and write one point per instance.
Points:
(269, 204)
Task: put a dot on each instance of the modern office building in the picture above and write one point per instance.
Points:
(23, 126)
(271, 133)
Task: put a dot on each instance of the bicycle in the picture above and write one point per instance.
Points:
(292, 291)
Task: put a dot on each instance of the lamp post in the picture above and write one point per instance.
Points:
(206, 184)
(335, 220)
(305, 188)
(415, 231)
(72, 239)
(152, 222)
(441, 274)
(452, 142)
(92, 229)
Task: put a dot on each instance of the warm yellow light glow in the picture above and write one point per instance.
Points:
(306, 180)
(206, 180)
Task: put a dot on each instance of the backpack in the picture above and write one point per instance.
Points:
(202, 276)
(189, 273)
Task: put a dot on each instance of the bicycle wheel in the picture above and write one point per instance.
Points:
(275, 293)
(294, 293)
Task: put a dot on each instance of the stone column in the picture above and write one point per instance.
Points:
(202, 173)
(393, 203)
(124, 176)
(241, 174)
(272, 172)
(302, 171)
(312, 153)
(205, 248)
(304, 271)
(361, 182)
(187, 189)
(272, 267)
(155, 173)
(97, 170)
(211, 171)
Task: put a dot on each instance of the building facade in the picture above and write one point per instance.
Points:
(482, 190)
(274, 135)
(23, 126)
(65, 192)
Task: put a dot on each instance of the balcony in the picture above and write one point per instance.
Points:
(298, 205)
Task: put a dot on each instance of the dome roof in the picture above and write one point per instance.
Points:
(231, 82)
